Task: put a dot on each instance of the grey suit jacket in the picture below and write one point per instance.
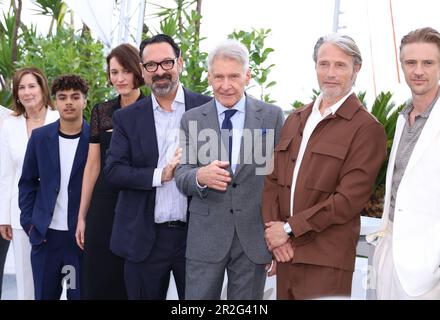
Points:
(215, 215)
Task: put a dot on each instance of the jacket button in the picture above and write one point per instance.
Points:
(231, 211)
(234, 185)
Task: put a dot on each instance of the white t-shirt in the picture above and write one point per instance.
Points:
(68, 145)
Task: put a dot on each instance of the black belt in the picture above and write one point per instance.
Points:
(172, 224)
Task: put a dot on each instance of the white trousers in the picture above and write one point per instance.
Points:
(23, 269)
(388, 286)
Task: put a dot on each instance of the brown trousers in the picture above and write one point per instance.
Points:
(305, 281)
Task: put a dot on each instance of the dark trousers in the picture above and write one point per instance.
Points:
(56, 259)
(4, 245)
(149, 279)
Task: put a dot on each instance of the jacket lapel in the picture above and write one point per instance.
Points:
(53, 147)
(145, 124)
(252, 122)
(390, 169)
(82, 148)
(429, 132)
(211, 122)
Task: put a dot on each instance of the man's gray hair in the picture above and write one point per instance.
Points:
(344, 42)
(230, 49)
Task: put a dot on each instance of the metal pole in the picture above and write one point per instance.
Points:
(140, 26)
(127, 21)
(121, 26)
(336, 14)
(396, 56)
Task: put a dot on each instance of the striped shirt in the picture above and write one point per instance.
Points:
(171, 204)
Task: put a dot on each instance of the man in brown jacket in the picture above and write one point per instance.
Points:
(325, 164)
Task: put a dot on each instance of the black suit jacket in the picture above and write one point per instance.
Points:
(130, 164)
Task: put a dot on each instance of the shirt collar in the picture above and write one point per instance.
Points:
(332, 109)
(239, 106)
(409, 107)
(180, 98)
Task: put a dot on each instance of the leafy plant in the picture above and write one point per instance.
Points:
(52, 8)
(258, 54)
(6, 46)
(182, 22)
(67, 52)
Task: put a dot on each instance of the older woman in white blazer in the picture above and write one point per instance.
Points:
(406, 263)
(32, 108)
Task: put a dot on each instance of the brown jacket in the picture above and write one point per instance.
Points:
(339, 167)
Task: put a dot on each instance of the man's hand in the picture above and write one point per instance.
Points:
(271, 268)
(168, 171)
(80, 232)
(284, 253)
(214, 175)
(6, 231)
(275, 235)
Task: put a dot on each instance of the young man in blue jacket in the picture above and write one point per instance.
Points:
(50, 191)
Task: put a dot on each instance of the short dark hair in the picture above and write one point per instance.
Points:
(158, 38)
(128, 57)
(426, 35)
(69, 82)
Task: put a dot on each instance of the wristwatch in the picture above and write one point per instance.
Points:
(288, 229)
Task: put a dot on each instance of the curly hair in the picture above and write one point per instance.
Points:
(69, 82)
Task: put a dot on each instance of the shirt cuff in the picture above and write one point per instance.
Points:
(157, 177)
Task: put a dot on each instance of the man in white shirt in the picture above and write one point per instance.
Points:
(325, 164)
(50, 191)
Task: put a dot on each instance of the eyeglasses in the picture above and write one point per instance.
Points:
(165, 65)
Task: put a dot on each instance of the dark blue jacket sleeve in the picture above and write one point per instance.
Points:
(119, 168)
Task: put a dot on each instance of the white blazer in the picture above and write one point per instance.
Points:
(4, 113)
(416, 227)
(13, 143)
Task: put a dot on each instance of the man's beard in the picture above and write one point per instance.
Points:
(163, 89)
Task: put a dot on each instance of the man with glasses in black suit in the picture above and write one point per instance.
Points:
(149, 229)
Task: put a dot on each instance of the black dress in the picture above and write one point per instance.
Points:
(102, 271)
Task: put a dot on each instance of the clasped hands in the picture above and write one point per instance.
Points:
(278, 243)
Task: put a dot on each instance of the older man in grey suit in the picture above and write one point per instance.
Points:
(227, 147)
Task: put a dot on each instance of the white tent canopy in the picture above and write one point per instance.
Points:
(101, 17)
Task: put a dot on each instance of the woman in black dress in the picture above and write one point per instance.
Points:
(102, 271)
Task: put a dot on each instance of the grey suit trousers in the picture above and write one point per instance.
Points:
(246, 280)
